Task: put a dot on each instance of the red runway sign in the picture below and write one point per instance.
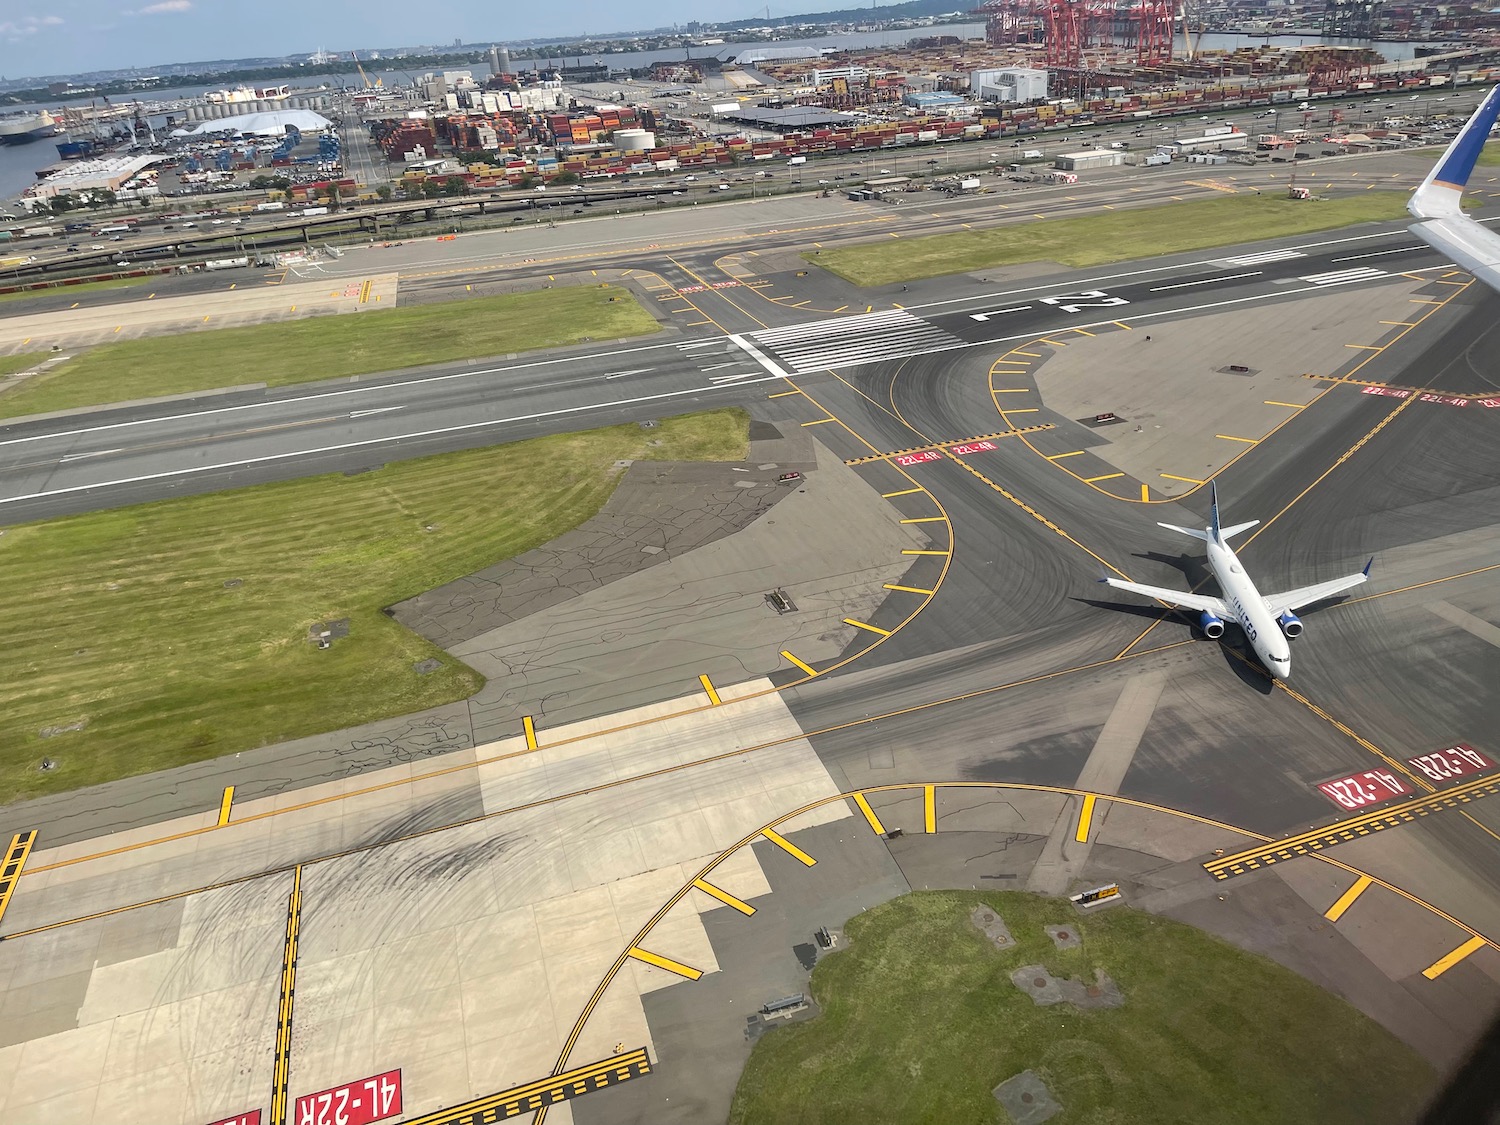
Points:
(250, 1117)
(1451, 762)
(354, 1103)
(1360, 790)
(918, 458)
(1389, 392)
(972, 447)
(1446, 400)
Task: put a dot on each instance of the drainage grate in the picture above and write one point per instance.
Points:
(780, 602)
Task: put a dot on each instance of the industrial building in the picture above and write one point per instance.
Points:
(800, 117)
(1088, 160)
(110, 173)
(932, 103)
(1015, 84)
(1223, 138)
(825, 76)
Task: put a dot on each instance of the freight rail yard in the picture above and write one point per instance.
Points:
(512, 649)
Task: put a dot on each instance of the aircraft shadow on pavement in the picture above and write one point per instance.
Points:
(1193, 568)
(1240, 659)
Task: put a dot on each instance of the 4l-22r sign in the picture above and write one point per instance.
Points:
(354, 1103)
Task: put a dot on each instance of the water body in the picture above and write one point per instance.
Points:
(19, 163)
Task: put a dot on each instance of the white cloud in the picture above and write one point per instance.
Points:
(28, 25)
(166, 7)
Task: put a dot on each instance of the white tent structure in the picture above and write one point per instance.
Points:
(272, 123)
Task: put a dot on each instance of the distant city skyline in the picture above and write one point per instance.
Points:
(52, 37)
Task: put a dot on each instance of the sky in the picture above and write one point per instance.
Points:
(40, 37)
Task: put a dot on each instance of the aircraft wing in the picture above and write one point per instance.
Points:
(1306, 595)
(1202, 603)
(1466, 243)
(1438, 202)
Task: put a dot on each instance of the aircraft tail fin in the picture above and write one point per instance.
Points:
(1215, 532)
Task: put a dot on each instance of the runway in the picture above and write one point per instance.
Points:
(126, 455)
(972, 709)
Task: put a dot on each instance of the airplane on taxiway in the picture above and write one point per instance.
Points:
(1438, 202)
(1268, 621)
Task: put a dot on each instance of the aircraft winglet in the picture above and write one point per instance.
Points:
(1368, 565)
(1439, 195)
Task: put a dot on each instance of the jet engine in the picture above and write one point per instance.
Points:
(1213, 627)
(1290, 624)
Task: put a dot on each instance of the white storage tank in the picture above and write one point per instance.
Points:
(635, 140)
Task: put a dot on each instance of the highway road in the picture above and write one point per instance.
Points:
(128, 454)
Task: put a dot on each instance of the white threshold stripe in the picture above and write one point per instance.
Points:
(840, 340)
(1205, 281)
(392, 440)
(861, 360)
(822, 329)
(869, 354)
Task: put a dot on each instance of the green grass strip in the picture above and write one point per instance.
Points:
(83, 287)
(332, 347)
(122, 620)
(23, 361)
(920, 1021)
(1117, 236)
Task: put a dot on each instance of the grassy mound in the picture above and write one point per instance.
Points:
(920, 1021)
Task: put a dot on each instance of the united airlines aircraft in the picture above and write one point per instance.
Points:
(1268, 621)
(1437, 204)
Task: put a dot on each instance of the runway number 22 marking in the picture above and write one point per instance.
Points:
(1088, 299)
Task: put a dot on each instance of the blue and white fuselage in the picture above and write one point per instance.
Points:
(1268, 622)
(1246, 607)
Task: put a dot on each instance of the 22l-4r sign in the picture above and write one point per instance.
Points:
(354, 1103)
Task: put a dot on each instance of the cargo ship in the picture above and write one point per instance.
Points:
(22, 128)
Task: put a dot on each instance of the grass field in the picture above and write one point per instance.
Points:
(920, 1022)
(10, 364)
(1489, 155)
(332, 347)
(86, 287)
(1115, 237)
(123, 619)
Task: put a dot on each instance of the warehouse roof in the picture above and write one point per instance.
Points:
(797, 117)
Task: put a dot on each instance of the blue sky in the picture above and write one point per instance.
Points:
(66, 36)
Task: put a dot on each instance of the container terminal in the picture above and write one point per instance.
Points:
(1041, 68)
